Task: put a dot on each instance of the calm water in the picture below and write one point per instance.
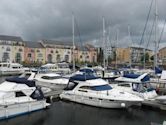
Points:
(68, 113)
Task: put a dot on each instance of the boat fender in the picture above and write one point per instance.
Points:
(123, 105)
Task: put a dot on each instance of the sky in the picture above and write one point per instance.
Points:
(34, 20)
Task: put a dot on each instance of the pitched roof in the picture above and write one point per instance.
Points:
(31, 44)
(10, 38)
(57, 42)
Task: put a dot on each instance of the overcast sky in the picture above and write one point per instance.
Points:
(52, 19)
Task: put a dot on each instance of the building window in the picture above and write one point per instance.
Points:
(49, 58)
(32, 50)
(8, 49)
(20, 49)
(80, 56)
(58, 58)
(52, 51)
(66, 58)
(5, 57)
(38, 50)
(40, 55)
(29, 55)
(18, 57)
(57, 51)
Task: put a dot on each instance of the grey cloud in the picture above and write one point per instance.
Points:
(51, 19)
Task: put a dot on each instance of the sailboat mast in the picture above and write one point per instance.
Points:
(156, 38)
(73, 19)
(130, 58)
(116, 51)
(104, 43)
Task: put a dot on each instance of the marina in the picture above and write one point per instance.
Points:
(82, 63)
(54, 96)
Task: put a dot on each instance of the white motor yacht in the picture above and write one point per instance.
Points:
(51, 80)
(136, 84)
(11, 68)
(20, 96)
(60, 68)
(94, 91)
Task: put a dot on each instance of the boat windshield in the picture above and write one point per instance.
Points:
(101, 88)
(144, 87)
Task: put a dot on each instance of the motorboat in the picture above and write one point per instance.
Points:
(94, 91)
(51, 80)
(60, 68)
(20, 96)
(107, 74)
(136, 84)
(7, 68)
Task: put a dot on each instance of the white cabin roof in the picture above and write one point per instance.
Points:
(97, 82)
(11, 86)
(49, 65)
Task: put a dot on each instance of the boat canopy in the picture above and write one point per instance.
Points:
(135, 76)
(87, 70)
(83, 77)
(18, 80)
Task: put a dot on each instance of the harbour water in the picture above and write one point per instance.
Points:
(68, 113)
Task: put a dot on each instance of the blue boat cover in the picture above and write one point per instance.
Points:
(87, 70)
(83, 77)
(18, 80)
(134, 76)
(101, 88)
(158, 70)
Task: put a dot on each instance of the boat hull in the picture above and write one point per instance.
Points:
(11, 72)
(13, 110)
(97, 102)
(54, 86)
